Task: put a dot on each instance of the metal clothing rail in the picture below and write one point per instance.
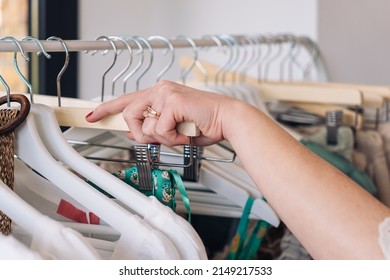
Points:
(85, 45)
(98, 45)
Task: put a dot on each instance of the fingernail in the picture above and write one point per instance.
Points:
(88, 115)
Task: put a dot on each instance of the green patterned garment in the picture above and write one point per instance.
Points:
(165, 183)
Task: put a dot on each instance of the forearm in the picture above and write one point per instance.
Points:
(332, 216)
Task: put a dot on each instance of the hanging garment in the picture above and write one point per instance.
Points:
(291, 248)
(384, 237)
(164, 184)
(185, 238)
(146, 242)
(359, 160)
(57, 242)
(345, 141)
(13, 249)
(370, 143)
(343, 165)
(384, 130)
(248, 237)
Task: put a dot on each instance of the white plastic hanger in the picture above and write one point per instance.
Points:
(31, 150)
(18, 210)
(58, 146)
(30, 219)
(28, 182)
(60, 149)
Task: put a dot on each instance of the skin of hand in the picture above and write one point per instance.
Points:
(331, 215)
(169, 99)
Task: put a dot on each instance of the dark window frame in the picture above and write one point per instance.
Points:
(54, 18)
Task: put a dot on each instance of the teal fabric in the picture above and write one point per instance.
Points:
(165, 183)
(343, 165)
(255, 239)
(246, 242)
(241, 233)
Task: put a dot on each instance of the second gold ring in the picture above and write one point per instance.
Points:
(151, 113)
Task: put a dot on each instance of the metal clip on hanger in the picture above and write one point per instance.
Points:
(333, 121)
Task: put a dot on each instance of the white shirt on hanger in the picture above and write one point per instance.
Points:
(13, 249)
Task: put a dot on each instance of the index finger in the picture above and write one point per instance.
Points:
(112, 107)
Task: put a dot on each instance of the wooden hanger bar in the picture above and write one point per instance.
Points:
(75, 117)
(287, 92)
(383, 91)
(301, 93)
(73, 111)
(372, 96)
(338, 94)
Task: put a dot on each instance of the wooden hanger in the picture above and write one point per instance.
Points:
(73, 111)
(372, 96)
(351, 95)
(318, 101)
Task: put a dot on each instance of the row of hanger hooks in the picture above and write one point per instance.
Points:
(244, 52)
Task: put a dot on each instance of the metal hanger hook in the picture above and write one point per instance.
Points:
(63, 69)
(150, 48)
(130, 50)
(185, 73)
(141, 61)
(15, 61)
(229, 46)
(218, 42)
(263, 39)
(252, 60)
(112, 64)
(171, 50)
(288, 39)
(267, 64)
(314, 54)
(8, 38)
(8, 91)
(244, 62)
(233, 55)
(294, 52)
(43, 51)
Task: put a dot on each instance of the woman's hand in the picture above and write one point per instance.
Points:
(174, 103)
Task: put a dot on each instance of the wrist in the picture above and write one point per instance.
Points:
(238, 118)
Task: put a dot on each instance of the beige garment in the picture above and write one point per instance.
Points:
(384, 237)
(359, 160)
(345, 141)
(384, 130)
(370, 143)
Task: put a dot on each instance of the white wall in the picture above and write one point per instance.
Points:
(354, 38)
(193, 18)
